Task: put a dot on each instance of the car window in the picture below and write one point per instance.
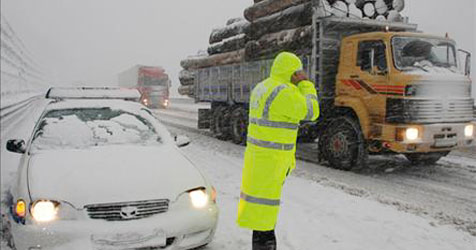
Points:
(92, 127)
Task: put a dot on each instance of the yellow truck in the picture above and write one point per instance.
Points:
(384, 88)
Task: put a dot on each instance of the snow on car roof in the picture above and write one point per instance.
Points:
(93, 93)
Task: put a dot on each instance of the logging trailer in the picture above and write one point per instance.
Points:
(384, 88)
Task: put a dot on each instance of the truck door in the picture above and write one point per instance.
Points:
(371, 76)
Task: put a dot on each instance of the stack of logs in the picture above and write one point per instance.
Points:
(272, 26)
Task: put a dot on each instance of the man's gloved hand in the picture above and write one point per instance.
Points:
(299, 76)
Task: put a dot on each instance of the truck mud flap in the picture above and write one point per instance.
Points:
(204, 116)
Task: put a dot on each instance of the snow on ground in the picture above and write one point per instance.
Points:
(184, 104)
(314, 216)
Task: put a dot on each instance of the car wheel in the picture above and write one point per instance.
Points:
(239, 125)
(425, 158)
(344, 145)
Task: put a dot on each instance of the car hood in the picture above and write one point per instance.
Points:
(111, 174)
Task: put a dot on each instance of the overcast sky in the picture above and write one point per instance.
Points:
(91, 41)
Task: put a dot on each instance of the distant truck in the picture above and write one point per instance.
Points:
(384, 87)
(151, 81)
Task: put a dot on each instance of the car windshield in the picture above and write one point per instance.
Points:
(90, 127)
(425, 54)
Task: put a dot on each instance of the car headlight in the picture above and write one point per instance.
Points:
(411, 134)
(44, 210)
(469, 130)
(198, 197)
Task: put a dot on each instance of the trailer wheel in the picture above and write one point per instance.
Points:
(220, 123)
(344, 144)
(239, 125)
(425, 158)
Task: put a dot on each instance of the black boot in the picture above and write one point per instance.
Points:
(264, 240)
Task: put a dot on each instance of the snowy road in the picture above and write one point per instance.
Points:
(389, 207)
(445, 191)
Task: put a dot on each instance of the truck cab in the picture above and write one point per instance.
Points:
(409, 92)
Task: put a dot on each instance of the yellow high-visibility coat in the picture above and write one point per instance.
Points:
(276, 108)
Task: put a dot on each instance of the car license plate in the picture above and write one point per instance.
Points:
(130, 240)
(443, 143)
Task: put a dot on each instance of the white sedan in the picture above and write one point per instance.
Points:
(105, 174)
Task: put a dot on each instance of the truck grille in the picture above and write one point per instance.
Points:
(429, 110)
(123, 211)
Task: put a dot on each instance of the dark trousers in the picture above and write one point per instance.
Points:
(264, 240)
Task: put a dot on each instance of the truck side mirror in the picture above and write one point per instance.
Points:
(467, 66)
(16, 146)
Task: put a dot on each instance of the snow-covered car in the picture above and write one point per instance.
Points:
(105, 174)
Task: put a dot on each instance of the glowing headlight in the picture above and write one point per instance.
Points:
(199, 198)
(44, 211)
(469, 130)
(411, 134)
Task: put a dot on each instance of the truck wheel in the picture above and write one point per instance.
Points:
(220, 124)
(213, 121)
(239, 125)
(344, 144)
(425, 158)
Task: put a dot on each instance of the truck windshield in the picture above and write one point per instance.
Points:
(152, 81)
(425, 54)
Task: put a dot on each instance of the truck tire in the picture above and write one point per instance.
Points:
(221, 123)
(343, 144)
(425, 158)
(239, 125)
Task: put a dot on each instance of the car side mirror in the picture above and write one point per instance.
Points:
(16, 146)
(181, 140)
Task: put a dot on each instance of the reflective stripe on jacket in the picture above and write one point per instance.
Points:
(276, 108)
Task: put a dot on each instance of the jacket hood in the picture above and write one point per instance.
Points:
(285, 65)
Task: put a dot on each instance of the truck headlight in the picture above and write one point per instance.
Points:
(198, 197)
(469, 130)
(44, 210)
(411, 134)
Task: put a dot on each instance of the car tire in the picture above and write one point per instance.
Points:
(343, 144)
(425, 158)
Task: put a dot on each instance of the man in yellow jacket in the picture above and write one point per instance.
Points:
(277, 106)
